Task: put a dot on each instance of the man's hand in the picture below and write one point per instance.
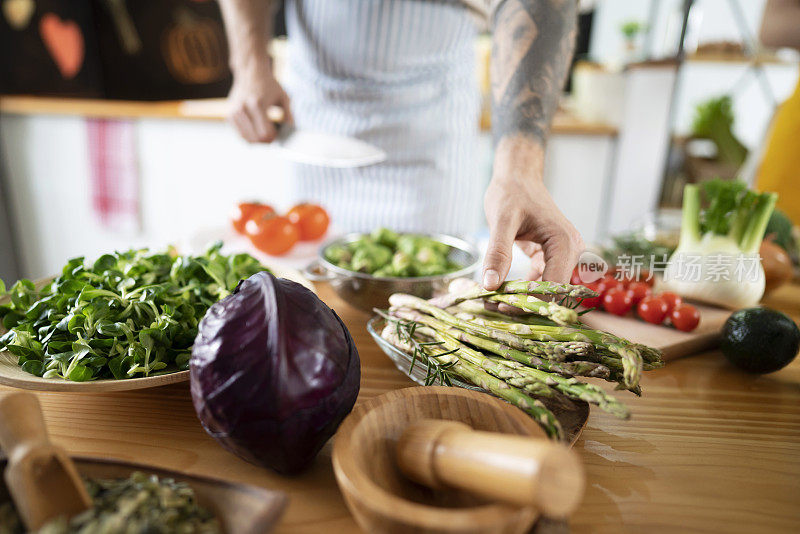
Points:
(254, 91)
(531, 48)
(519, 208)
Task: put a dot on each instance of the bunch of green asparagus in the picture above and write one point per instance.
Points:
(536, 353)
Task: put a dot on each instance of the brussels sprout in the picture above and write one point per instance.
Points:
(386, 253)
(402, 264)
(427, 255)
(370, 257)
(385, 271)
(385, 237)
(431, 270)
(338, 255)
(427, 242)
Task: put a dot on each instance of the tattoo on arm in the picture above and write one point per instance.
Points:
(531, 51)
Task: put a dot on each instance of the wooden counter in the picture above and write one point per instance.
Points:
(209, 109)
(709, 448)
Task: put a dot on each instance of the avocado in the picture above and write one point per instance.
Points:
(760, 340)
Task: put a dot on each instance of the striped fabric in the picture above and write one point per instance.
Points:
(399, 74)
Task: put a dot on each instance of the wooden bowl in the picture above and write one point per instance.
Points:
(382, 500)
(240, 508)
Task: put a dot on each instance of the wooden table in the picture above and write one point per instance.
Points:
(709, 449)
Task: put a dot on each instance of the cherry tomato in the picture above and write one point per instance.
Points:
(652, 309)
(617, 301)
(593, 302)
(600, 287)
(245, 211)
(685, 317)
(575, 279)
(311, 220)
(272, 234)
(611, 280)
(647, 278)
(673, 300)
(638, 291)
(623, 276)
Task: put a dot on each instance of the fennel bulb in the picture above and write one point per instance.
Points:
(717, 257)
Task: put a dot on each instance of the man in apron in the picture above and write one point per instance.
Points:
(401, 74)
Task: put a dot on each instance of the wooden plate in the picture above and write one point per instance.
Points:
(240, 508)
(12, 374)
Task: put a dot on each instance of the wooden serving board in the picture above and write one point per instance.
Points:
(674, 343)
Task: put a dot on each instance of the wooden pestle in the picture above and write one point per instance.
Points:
(502, 467)
(41, 478)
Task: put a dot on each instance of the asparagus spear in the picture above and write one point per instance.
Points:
(489, 310)
(545, 350)
(477, 309)
(573, 388)
(477, 376)
(570, 387)
(629, 354)
(559, 314)
(579, 368)
(461, 290)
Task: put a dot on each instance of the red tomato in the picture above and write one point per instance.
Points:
(622, 276)
(600, 287)
(593, 302)
(575, 279)
(610, 280)
(685, 317)
(617, 301)
(272, 234)
(647, 278)
(638, 291)
(311, 220)
(245, 211)
(673, 300)
(652, 309)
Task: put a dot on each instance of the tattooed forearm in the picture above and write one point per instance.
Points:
(532, 46)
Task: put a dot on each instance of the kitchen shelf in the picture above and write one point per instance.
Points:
(207, 109)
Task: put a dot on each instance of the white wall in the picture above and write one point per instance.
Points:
(712, 20)
(191, 174)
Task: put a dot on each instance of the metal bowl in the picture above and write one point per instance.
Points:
(416, 370)
(366, 292)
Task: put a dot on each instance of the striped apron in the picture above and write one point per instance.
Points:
(399, 74)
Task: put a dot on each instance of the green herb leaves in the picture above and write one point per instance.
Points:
(128, 315)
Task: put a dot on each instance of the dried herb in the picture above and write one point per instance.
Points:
(141, 504)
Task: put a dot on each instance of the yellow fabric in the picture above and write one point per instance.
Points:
(780, 168)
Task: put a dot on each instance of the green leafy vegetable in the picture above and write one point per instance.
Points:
(713, 119)
(385, 253)
(128, 315)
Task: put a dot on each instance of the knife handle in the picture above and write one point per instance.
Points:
(276, 114)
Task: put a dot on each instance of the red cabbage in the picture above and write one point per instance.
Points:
(273, 373)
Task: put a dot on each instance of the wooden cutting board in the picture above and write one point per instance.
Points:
(674, 343)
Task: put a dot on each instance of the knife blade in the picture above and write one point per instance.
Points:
(302, 146)
(324, 149)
